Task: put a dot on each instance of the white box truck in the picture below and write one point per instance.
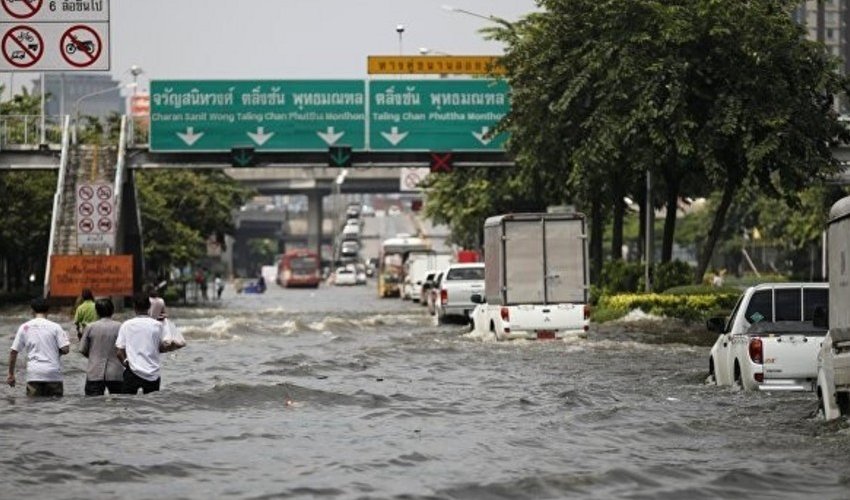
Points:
(417, 267)
(833, 384)
(535, 277)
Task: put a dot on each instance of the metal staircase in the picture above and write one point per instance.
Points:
(79, 164)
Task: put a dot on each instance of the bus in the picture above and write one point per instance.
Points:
(394, 252)
(299, 268)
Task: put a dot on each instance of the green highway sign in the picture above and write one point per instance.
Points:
(271, 115)
(445, 115)
(315, 115)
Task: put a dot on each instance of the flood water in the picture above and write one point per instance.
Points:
(334, 393)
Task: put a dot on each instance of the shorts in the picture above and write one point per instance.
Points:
(133, 382)
(45, 388)
(99, 387)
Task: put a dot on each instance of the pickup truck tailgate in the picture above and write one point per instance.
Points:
(556, 317)
(791, 356)
(789, 349)
(459, 293)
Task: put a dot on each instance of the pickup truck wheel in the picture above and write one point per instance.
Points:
(737, 378)
(843, 401)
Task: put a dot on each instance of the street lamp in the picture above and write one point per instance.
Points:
(92, 94)
(400, 30)
(451, 8)
(135, 70)
(425, 51)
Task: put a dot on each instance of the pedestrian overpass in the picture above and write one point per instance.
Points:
(271, 173)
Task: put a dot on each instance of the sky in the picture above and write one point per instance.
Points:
(289, 39)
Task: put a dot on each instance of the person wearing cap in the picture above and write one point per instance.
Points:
(104, 370)
(44, 342)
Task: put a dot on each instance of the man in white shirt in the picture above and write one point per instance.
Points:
(139, 343)
(44, 341)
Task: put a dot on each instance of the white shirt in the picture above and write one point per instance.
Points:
(42, 339)
(140, 337)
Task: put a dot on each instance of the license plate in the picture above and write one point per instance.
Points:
(545, 334)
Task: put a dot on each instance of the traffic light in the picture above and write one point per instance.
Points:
(242, 157)
(339, 156)
(441, 162)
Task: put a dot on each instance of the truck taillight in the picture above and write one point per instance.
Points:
(444, 296)
(586, 311)
(505, 313)
(756, 350)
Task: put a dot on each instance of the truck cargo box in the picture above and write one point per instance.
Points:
(536, 258)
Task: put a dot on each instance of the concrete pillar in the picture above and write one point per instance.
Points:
(315, 216)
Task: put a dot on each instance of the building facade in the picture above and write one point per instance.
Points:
(64, 91)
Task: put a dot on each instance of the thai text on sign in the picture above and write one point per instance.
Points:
(103, 274)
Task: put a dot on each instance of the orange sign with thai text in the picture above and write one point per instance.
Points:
(435, 65)
(103, 274)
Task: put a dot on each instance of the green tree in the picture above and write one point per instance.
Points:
(722, 92)
(180, 209)
(25, 226)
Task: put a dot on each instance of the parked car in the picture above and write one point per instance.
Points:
(459, 283)
(349, 248)
(393, 210)
(352, 211)
(345, 276)
(360, 273)
(350, 233)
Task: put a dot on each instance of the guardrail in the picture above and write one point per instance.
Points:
(25, 130)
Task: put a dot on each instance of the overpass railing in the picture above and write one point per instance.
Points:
(57, 200)
(24, 131)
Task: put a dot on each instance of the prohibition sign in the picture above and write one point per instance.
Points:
(22, 46)
(86, 209)
(104, 192)
(105, 225)
(104, 208)
(86, 225)
(412, 180)
(80, 46)
(22, 9)
(86, 192)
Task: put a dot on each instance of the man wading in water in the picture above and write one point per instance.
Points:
(44, 342)
(140, 340)
(98, 344)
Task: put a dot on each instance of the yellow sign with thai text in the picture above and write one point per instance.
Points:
(435, 65)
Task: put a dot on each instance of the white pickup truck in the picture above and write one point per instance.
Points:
(459, 283)
(777, 356)
(769, 341)
(536, 277)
